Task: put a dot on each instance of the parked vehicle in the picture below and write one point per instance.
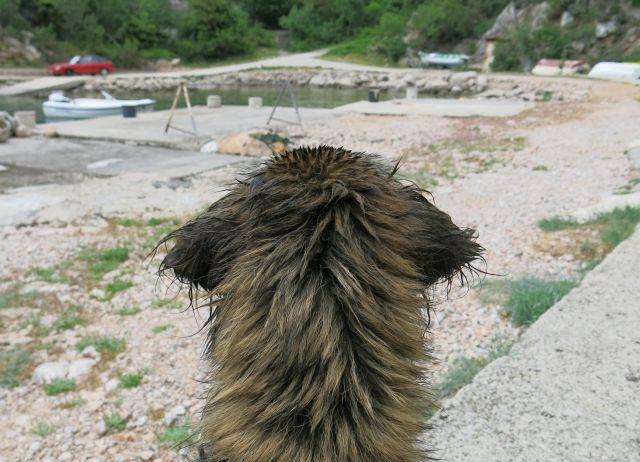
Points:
(442, 60)
(89, 64)
(61, 107)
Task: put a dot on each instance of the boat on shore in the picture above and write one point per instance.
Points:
(60, 107)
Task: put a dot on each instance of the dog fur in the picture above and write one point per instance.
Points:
(317, 266)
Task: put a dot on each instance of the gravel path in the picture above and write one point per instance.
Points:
(568, 389)
(486, 177)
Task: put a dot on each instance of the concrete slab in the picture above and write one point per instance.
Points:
(439, 107)
(43, 84)
(148, 128)
(568, 390)
(33, 161)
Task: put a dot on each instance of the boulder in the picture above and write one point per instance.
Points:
(80, 367)
(26, 118)
(566, 19)
(50, 131)
(243, 144)
(5, 129)
(22, 131)
(604, 29)
(49, 371)
(462, 78)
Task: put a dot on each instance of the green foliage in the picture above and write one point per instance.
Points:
(419, 177)
(131, 380)
(45, 274)
(13, 364)
(114, 423)
(390, 36)
(70, 318)
(615, 226)
(42, 429)
(465, 368)
(14, 297)
(175, 435)
(129, 311)
(58, 386)
(115, 286)
(213, 29)
(528, 298)
(162, 328)
(104, 261)
(540, 168)
(268, 13)
(103, 344)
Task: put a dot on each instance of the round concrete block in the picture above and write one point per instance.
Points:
(214, 101)
(255, 102)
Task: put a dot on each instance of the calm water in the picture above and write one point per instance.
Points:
(305, 96)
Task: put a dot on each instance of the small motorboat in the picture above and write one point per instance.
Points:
(444, 60)
(59, 106)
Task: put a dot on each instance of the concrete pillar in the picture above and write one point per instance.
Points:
(214, 101)
(412, 92)
(26, 118)
(255, 102)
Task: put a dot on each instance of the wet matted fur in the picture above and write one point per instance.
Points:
(318, 265)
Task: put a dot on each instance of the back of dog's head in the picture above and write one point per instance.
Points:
(320, 258)
(310, 203)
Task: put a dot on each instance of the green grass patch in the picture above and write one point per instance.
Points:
(46, 274)
(157, 221)
(162, 328)
(131, 380)
(464, 368)
(13, 365)
(129, 311)
(115, 286)
(42, 429)
(59, 386)
(15, 298)
(540, 168)
(528, 298)
(103, 344)
(175, 435)
(115, 423)
(129, 222)
(615, 226)
(70, 318)
(104, 261)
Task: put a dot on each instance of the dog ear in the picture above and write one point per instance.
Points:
(204, 248)
(443, 250)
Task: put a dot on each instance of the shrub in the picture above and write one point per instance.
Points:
(162, 328)
(131, 380)
(115, 286)
(104, 261)
(42, 429)
(114, 423)
(127, 311)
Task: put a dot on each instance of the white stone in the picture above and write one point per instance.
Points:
(46, 372)
(90, 352)
(111, 385)
(26, 118)
(603, 29)
(3, 168)
(50, 131)
(80, 367)
(171, 416)
(460, 78)
(65, 456)
(209, 147)
(412, 92)
(145, 455)
(566, 19)
(100, 428)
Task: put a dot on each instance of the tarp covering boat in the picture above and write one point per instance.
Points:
(616, 71)
(442, 59)
(59, 106)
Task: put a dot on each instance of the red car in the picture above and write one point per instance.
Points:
(89, 64)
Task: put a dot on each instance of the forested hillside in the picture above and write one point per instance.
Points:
(131, 31)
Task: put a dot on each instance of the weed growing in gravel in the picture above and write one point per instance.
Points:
(526, 299)
(540, 168)
(72, 403)
(131, 380)
(13, 364)
(129, 311)
(42, 429)
(629, 187)
(46, 274)
(14, 298)
(129, 222)
(162, 328)
(175, 435)
(70, 318)
(115, 423)
(104, 261)
(115, 286)
(104, 344)
(168, 303)
(465, 368)
(156, 221)
(58, 386)
(615, 226)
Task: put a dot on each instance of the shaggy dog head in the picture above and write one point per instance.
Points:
(319, 262)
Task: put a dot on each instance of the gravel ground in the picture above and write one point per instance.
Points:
(497, 175)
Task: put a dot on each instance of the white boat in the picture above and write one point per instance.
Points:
(442, 59)
(59, 106)
(627, 72)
